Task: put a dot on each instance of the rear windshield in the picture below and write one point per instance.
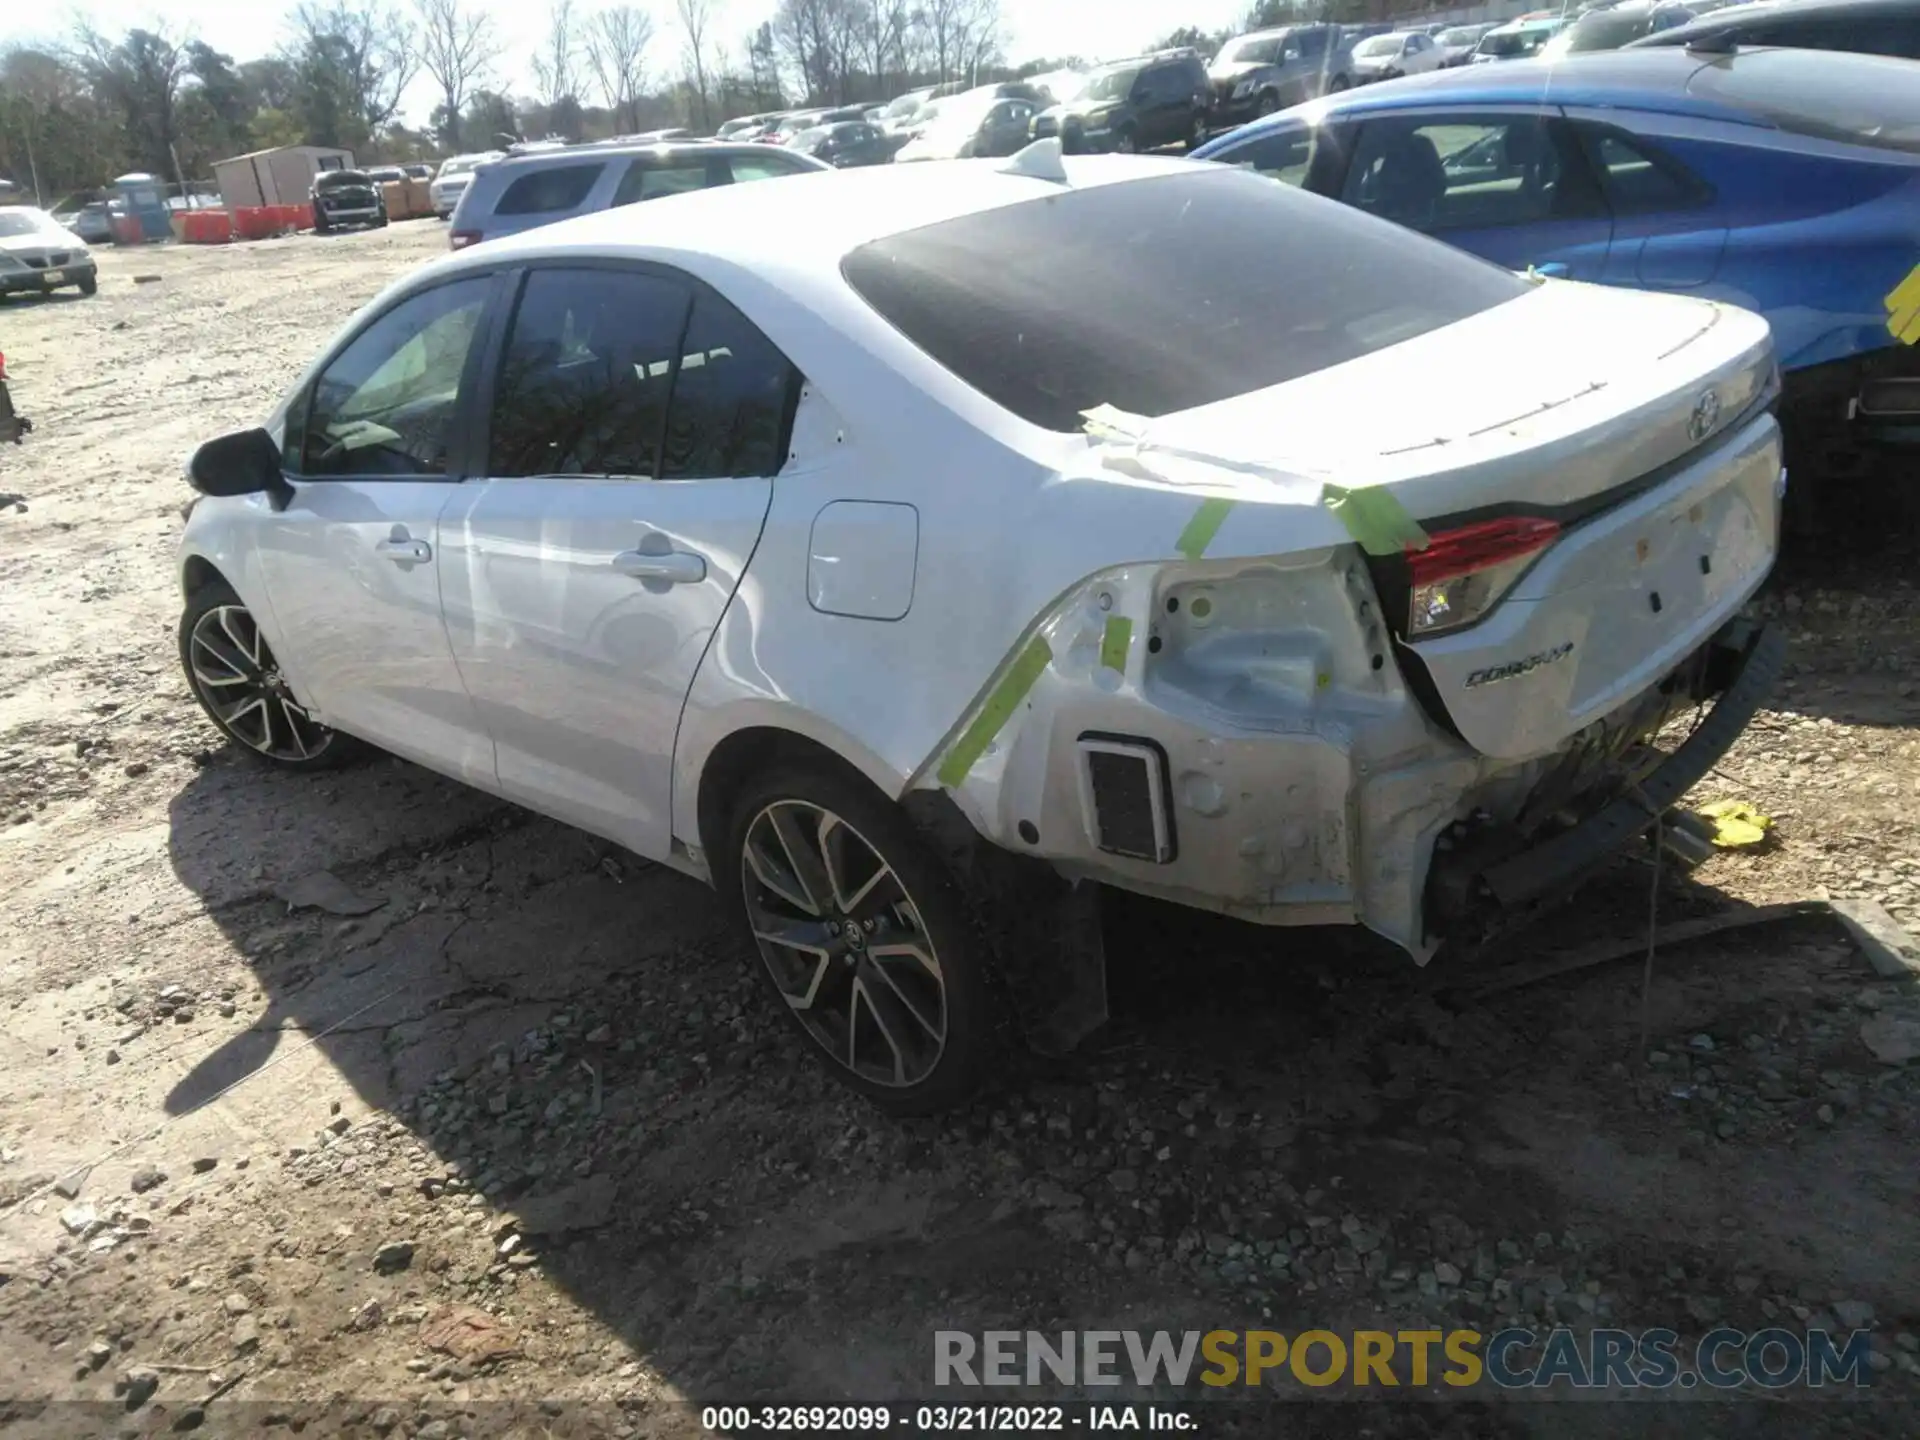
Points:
(560, 187)
(1866, 99)
(1159, 295)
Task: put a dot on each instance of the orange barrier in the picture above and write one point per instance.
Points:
(208, 227)
(254, 222)
(303, 216)
(126, 229)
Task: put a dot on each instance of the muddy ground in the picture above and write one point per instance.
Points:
(310, 1161)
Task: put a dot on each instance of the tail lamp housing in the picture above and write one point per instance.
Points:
(1464, 572)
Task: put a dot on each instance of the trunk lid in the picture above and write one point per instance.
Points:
(1635, 421)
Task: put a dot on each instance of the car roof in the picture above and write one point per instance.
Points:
(1633, 79)
(578, 154)
(799, 227)
(1734, 17)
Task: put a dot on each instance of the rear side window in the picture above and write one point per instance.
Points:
(1458, 174)
(1636, 179)
(538, 192)
(732, 399)
(648, 181)
(1279, 154)
(1163, 294)
(771, 168)
(585, 376)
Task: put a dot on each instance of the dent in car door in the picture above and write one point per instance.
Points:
(636, 421)
(352, 563)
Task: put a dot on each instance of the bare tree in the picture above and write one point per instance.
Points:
(371, 44)
(457, 48)
(617, 41)
(696, 20)
(554, 69)
(138, 78)
(961, 34)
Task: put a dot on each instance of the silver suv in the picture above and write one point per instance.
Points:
(523, 192)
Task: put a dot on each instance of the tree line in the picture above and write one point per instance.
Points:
(77, 113)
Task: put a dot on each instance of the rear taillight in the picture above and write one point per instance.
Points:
(1463, 572)
(3, 367)
(461, 239)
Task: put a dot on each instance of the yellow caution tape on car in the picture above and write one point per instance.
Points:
(1027, 667)
(1114, 643)
(1736, 824)
(1903, 309)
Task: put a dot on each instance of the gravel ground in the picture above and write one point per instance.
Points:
(525, 1134)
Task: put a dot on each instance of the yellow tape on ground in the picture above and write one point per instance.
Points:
(1903, 309)
(1006, 698)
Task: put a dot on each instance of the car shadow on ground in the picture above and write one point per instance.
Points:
(579, 1037)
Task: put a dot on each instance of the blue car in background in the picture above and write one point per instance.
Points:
(1786, 181)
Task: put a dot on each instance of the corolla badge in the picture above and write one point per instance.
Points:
(1512, 669)
(1706, 415)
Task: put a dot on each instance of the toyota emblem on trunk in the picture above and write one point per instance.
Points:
(1706, 414)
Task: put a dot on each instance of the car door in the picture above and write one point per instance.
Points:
(1300, 61)
(635, 422)
(352, 561)
(1512, 187)
(1420, 55)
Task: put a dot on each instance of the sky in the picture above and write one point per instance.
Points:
(247, 29)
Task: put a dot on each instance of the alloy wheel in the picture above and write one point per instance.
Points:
(844, 943)
(240, 684)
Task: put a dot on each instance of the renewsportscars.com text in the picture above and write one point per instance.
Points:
(1606, 1359)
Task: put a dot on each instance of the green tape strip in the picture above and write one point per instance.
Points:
(1201, 529)
(999, 709)
(1114, 642)
(1376, 519)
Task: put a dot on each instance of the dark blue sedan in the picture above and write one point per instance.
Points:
(1786, 181)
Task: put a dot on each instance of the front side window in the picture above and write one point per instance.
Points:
(585, 375)
(539, 192)
(1162, 294)
(385, 404)
(647, 181)
(1455, 174)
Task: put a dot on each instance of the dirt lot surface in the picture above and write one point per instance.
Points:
(527, 1133)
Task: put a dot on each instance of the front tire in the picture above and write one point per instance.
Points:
(90, 285)
(863, 936)
(233, 674)
(1125, 144)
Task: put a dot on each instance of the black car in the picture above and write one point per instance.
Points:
(1270, 70)
(345, 197)
(1132, 105)
(846, 143)
(1870, 27)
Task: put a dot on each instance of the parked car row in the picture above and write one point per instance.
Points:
(1786, 181)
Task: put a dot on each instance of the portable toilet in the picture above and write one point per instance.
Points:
(145, 200)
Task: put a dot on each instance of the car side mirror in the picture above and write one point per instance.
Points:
(246, 462)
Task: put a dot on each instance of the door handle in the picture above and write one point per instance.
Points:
(676, 567)
(405, 552)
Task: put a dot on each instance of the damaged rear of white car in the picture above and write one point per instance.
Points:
(1014, 532)
(1365, 573)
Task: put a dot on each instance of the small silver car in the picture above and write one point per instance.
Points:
(523, 192)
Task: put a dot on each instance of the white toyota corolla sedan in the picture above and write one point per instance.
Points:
(910, 552)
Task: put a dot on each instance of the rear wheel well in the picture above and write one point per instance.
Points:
(741, 756)
(197, 574)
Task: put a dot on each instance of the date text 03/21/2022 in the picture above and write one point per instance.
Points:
(939, 1419)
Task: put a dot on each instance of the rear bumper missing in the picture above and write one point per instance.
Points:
(1470, 894)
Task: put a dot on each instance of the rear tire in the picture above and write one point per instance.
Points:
(1265, 104)
(863, 936)
(232, 672)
